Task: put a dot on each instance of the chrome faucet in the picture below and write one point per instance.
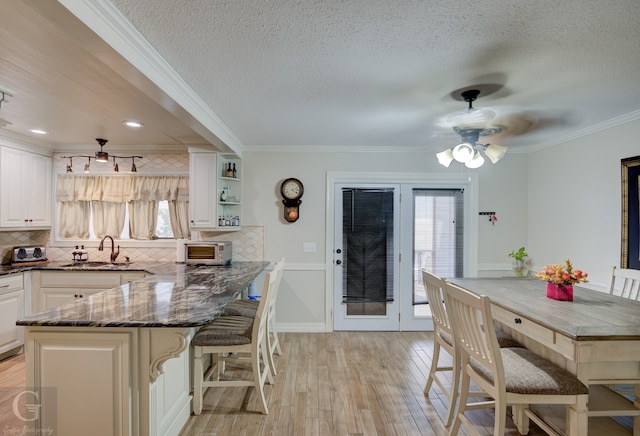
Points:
(114, 254)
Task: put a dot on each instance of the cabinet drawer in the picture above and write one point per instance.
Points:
(73, 279)
(532, 330)
(523, 325)
(11, 283)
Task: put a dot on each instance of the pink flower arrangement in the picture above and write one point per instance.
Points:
(562, 274)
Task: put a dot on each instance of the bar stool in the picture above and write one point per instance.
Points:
(234, 339)
(248, 308)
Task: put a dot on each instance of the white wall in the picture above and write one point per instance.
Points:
(575, 201)
(302, 307)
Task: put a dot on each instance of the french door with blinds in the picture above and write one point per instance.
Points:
(381, 245)
(367, 248)
(433, 237)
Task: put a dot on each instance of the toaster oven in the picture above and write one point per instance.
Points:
(207, 252)
(29, 254)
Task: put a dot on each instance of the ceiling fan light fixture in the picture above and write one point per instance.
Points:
(445, 157)
(476, 162)
(463, 152)
(495, 152)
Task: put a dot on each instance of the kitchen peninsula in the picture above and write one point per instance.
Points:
(117, 362)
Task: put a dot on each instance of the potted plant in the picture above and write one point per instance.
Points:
(519, 262)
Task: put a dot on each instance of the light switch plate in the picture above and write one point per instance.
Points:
(308, 247)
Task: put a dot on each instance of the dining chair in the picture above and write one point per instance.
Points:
(248, 308)
(509, 376)
(443, 339)
(234, 339)
(625, 283)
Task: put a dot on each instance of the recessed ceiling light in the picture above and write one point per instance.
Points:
(131, 123)
(38, 131)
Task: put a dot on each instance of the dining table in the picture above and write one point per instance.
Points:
(596, 337)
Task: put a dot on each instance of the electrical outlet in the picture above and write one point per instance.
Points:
(308, 247)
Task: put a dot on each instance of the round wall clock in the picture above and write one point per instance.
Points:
(291, 190)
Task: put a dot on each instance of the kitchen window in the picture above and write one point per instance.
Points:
(163, 224)
(132, 207)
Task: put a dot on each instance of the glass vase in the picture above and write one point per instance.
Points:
(560, 292)
(520, 268)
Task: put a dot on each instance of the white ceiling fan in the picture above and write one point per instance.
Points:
(472, 124)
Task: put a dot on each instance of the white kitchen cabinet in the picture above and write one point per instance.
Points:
(11, 309)
(111, 381)
(54, 288)
(209, 208)
(25, 189)
(93, 376)
(202, 190)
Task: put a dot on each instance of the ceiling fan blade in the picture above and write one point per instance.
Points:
(526, 122)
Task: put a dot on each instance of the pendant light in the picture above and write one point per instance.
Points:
(102, 156)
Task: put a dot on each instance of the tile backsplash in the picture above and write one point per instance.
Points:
(248, 244)
(8, 240)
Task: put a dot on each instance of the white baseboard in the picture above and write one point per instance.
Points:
(302, 327)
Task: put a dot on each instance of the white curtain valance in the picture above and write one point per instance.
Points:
(121, 189)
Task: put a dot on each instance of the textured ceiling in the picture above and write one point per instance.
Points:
(379, 73)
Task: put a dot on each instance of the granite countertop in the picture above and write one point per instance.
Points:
(174, 295)
(150, 267)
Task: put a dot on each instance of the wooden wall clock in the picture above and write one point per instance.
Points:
(291, 190)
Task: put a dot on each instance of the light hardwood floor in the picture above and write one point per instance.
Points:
(328, 384)
(341, 383)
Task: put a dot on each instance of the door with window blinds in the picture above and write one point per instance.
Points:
(437, 235)
(367, 253)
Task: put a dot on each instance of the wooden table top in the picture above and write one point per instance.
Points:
(592, 315)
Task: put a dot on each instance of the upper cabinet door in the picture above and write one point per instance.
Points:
(25, 189)
(202, 191)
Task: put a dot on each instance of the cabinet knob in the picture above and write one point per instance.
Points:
(518, 321)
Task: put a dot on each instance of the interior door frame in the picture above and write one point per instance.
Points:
(469, 180)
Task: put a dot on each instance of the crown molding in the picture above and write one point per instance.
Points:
(337, 149)
(581, 133)
(560, 139)
(15, 140)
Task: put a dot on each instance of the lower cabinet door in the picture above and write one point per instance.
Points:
(11, 309)
(85, 380)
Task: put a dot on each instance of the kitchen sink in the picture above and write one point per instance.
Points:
(95, 264)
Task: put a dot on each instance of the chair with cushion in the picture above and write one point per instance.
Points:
(443, 339)
(234, 339)
(509, 376)
(248, 308)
